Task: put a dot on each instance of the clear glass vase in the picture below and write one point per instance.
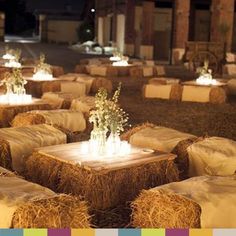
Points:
(98, 142)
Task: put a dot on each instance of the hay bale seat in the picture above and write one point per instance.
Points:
(163, 139)
(75, 88)
(8, 112)
(211, 94)
(206, 201)
(57, 71)
(28, 205)
(163, 91)
(208, 156)
(19, 142)
(101, 82)
(81, 69)
(231, 85)
(38, 87)
(84, 104)
(58, 100)
(103, 183)
(141, 71)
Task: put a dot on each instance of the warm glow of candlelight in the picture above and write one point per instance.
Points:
(15, 99)
(120, 63)
(14, 64)
(115, 58)
(42, 75)
(202, 80)
(8, 56)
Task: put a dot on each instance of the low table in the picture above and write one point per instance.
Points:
(9, 111)
(194, 83)
(104, 183)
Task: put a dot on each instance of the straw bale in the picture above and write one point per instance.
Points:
(23, 119)
(182, 159)
(5, 154)
(158, 81)
(136, 71)
(126, 136)
(61, 211)
(112, 71)
(115, 187)
(218, 95)
(176, 92)
(57, 71)
(81, 69)
(162, 209)
(101, 83)
(8, 113)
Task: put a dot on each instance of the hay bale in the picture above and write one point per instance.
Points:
(161, 209)
(136, 71)
(218, 95)
(231, 85)
(24, 119)
(5, 154)
(57, 71)
(112, 71)
(101, 83)
(81, 69)
(164, 80)
(126, 136)
(176, 92)
(84, 104)
(62, 211)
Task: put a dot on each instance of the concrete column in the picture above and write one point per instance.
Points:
(181, 29)
(130, 27)
(222, 21)
(100, 31)
(147, 48)
(120, 33)
(43, 28)
(2, 26)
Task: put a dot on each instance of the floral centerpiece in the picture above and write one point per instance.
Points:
(15, 90)
(205, 75)
(43, 70)
(108, 118)
(13, 56)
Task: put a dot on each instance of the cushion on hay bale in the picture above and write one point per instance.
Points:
(81, 69)
(68, 119)
(158, 138)
(212, 156)
(169, 91)
(204, 94)
(101, 83)
(231, 85)
(75, 88)
(57, 71)
(147, 71)
(58, 100)
(27, 205)
(206, 201)
(69, 76)
(119, 179)
(163, 80)
(23, 140)
(98, 70)
(88, 80)
(83, 104)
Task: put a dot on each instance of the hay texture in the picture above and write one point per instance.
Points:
(34, 206)
(5, 154)
(8, 112)
(101, 83)
(28, 118)
(218, 95)
(81, 69)
(57, 71)
(161, 209)
(102, 189)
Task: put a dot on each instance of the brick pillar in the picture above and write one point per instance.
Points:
(129, 27)
(222, 21)
(181, 29)
(43, 28)
(146, 48)
(2, 26)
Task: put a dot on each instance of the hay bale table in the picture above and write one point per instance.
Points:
(8, 112)
(194, 92)
(206, 201)
(104, 183)
(27, 205)
(18, 143)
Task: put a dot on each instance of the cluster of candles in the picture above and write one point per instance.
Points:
(13, 63)
(12, 98)
(206, 80)
(111, 148)
(42, 75)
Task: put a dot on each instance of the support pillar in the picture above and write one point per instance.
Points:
(2, 26)
(180, 29)
(129, 28)
(43, 28)
(147, 48)
(222, 22)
